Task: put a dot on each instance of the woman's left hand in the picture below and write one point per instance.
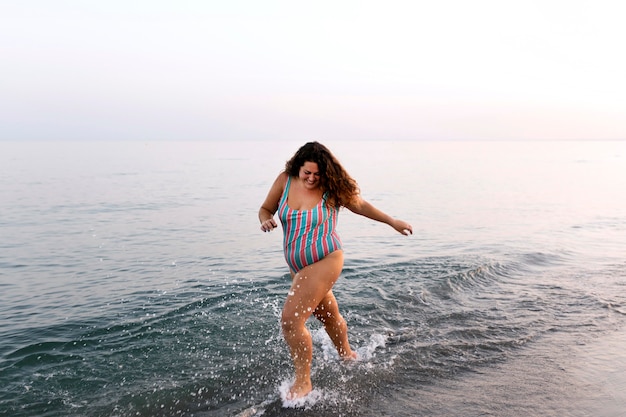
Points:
(402, 227)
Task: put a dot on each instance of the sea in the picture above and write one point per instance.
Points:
(135, 281)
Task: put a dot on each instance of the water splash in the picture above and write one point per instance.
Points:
(306, 402)
(367, 352)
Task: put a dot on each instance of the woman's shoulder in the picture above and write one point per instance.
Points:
(276, 191)
(282, 178)
(281, 181)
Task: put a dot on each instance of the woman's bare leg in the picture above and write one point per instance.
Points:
(327, 312)
(309, 287)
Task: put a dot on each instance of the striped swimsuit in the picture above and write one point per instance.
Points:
(309, 235)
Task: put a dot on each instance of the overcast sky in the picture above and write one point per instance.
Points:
(342, 69)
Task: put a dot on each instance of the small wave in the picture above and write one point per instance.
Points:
(36, 348)
(541, 259)
(42, 360)
(42, 354)
(614, 307)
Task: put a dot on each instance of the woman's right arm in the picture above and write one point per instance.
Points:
(270, 205)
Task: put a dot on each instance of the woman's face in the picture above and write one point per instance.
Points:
(310, 175)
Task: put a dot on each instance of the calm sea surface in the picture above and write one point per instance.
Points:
(135, 281)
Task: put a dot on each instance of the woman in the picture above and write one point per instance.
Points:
(307, 197)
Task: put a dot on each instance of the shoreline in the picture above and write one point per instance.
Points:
(601, 368)
(556, 376)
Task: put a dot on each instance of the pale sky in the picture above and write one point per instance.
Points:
(324, 70)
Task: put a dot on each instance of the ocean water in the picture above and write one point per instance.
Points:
(135, 281)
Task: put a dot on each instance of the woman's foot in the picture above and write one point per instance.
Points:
(299, 389)
(348, 357)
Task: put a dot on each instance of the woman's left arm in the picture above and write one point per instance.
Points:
(364, 208)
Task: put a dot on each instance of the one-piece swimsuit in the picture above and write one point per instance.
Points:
(309, 235)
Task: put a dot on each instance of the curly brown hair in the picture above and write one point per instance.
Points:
(340, 187)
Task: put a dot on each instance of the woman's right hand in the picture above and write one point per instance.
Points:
(268, 225)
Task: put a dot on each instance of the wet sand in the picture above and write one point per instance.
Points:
(583, 378)
(601, 369)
